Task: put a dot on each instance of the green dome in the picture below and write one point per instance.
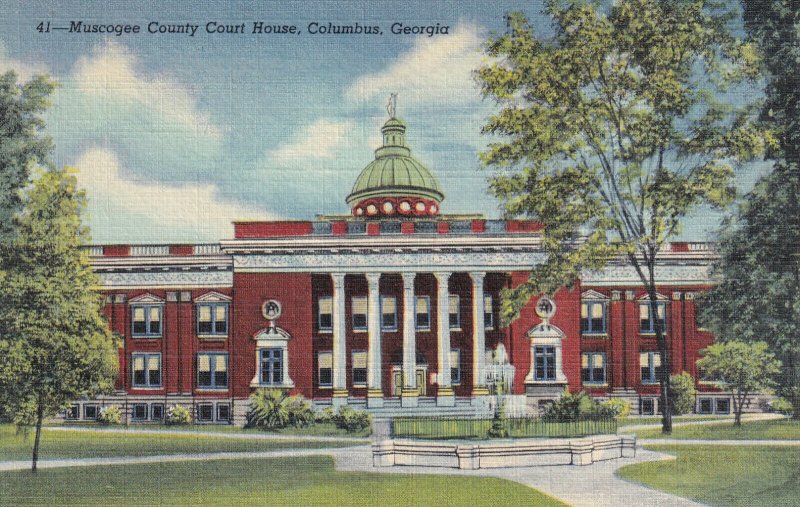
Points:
(394, 172)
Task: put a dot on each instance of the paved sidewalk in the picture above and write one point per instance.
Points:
(698, 441)
(592, 485)
(676, 422)
(164, 458)
(219, 434)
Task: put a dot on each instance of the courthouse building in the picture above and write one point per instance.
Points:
(392, 307)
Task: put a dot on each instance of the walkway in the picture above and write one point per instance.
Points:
(677, 422)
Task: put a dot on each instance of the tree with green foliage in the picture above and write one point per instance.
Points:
(758, 297)
(55, 346)
(23, 143)
(682, 393)
(610, 132)
(739, 367)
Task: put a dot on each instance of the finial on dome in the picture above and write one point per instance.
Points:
(391, 106)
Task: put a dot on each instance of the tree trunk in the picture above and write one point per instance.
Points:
(36, 440)
(738, 403)
(666, 364)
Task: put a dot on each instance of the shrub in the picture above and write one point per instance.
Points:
(498, 428)
(301, 413)
(269, 409)
(571, 407)
(616, 407)
(351, 420)
(682, 393)
(109, 415)
(178, 415)
(325, 416)
(782, 405)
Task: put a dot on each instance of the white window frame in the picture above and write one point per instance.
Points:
(417, 313)
(212, 359)
(546, 363)
(214, 320)
(329, 303)
(358, 301)
(360, 354)
(644, 306)
(384, 325)
(454, 310)
(147, 307)
(590, 361)
(589, 304)
(148, 384)
(653, 377)
(488, 315)
(329, 355)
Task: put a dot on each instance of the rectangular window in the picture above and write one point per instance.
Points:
(212, 319)
(139, 412)
(455, 312)
(157, 411)
(325, 314)
(723, 406)
(359, 369)
(455, 366)
(647, 324)
(423, 313)
(271, 366)
(544, 362)
(146, 370)
(90, 412)
(389, 313)
(72, 413)
(488, 312)
(146, 320)
(704, 406)
(647, 406)
(325, 369)
(593, 367)
(223, 412)
(212, 370)
(593, 317)
(205, 412)
(650, 364)
(359, 307)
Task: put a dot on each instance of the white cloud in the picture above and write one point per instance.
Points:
(125, 210)
(435, 70)
(318, 140)
(25, 70)
(110, 75)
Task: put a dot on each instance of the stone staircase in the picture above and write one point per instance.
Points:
(464, 407)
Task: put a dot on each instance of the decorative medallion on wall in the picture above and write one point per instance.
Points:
(271, 310)
(545, 308)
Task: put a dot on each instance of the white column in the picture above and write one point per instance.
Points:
(374, 392)
(445, 394)
(478, 336)
(339, 347)
(409, 392)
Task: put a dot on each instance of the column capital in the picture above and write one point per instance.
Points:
(442, 276)
(373, 278)
(477, 276)
(408, 276)
(338, 279)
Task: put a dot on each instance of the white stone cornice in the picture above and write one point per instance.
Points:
(388, 262)
(621, 275)
(165, 279)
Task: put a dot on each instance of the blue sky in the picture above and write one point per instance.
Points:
(175, 136)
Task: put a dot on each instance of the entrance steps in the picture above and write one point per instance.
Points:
(464, 407)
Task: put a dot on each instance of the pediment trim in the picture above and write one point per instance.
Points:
(146, 299)
(213, 297)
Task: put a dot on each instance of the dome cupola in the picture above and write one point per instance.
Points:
(395, 183)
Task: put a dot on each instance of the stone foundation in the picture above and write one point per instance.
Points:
(503, 453)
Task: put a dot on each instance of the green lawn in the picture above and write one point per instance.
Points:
(91, 444)
(724, 475)
(775, 429)
(631, 421)
(295, 481)
(317, 429)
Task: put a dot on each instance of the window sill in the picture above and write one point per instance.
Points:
(594, 335)
(147, 388)
(595, 384)
(211, 389)
(146, 336)
(389, 329)
(650, 383)
(360, 331)
(213, 337)
(325, 388)
(325, 331)
(649, 334)
(423, 329)
(455, 329)
(359, 386)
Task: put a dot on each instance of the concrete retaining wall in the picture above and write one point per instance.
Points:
(503, 453)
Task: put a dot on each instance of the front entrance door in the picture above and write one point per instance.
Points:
(397, 380)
